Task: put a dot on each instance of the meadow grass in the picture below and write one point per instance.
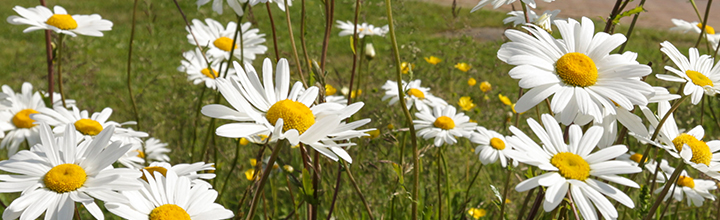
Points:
(94, 70)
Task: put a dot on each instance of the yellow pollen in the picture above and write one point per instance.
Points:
(637, 157)
(417, 93)
(88, 127)
(65, 178)
(22, 118)
(698, 78)
(700, 150)
(708, 29)
(295, 115)
(152, 171)
(571, 166)
(224, 43)
(64, 22)
(140, 154)
(207, 73)
(444, 122)
(169, 212)
(497, 143)
(686, 181)
(577, 69)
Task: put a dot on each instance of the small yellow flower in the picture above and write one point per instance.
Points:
(433, 60)
(486, 97)
(288, 168)
(330, 90)
(477, 213)
(507, 201)
(253, 162)
(472, 81)
(373, 134)
(244, 141)
(466, 103)
(391, 126)
(463, 67)
(249, 174)
(407, 67)
(356, 93)
(505, 100)
(485, 86)
(473, 121)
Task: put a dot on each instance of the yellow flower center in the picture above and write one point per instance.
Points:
(577, 69)
(295, 115)
(417, 93)
(637, 157)
(207, 73)
(224, 43)
(64, 22)
(571, 166)
(686, 181)
(444, 122)
(22, 118)
(88, 127)
(497, 143)
(698, 78)
(169, 212)
(141, 154)
(152, 171)
(700, 150)
(708, 29)
(65, 178)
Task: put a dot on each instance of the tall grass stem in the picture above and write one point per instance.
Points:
(274, 34)
(665, 190)
(59, 68)
(292, 43)
(259, 191)
(129, 67)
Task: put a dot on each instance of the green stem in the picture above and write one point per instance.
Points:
(292, 43)
(265, 174)
(211, 128)
(274, 35)
(631, 28)
(616, 10)
(357, 190)
(129, 68)
(59, 69)
(406, 112)
(505, 192)
(195, 123)
(232, 168)
(657, 129)
(302, 38)
(704, 20)
(439, 190)
(447, 184)
(664, 192)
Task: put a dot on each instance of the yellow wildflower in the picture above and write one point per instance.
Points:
(477, 213)
(356, 93)
(485, 86)
(473, 120)
(391, 126)
(407, 67)
(373, 134)
(330, 90)
(463, 67)
(472, 81)
(505, 100)
(253, 162)
(433, 60)
(466, 103)
(244, 141)
(288, 168)
(249, 174)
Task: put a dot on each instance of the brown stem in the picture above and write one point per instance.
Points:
(129, 68)
(337, 189)
(265, 174)
(274, 35)
(329, 14)
(49, 57)
(613, 14)
(664, 192)
(292, 43)
(355, 51)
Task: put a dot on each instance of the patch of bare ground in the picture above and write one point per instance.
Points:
(482, 34)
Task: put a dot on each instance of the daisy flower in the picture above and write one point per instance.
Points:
(497, 3)
(685, 26)
(56, 173)
(16, 120)
(276, 111)
(364, 29)
(86, 125)
(217, 5)
(196, 172)
(698, 72)
(41, 18)
(578, 70)
(695, 190)
(415, 95)
(219, 40)
(170, 196)
(492, 146)
(280, 3)
(155, 151)
(633, 158)
(197, 69)
(572, 167)
(518, 17)
(443, 124)
(57, 99)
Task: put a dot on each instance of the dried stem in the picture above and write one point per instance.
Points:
(129, 68)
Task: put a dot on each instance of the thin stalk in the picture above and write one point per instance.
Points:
(657, 130)
(232, 168)
(705, 19)
(329, 14)
(505, 192)
(572, 204)
(525, 12)
(238, 31)
(447, 183)
(355, 50)
(195, 123)
(306, 165)
(702, 109)
(292, 43)
(302, 37)
(274, 35)
(536, 204)
(77, 212)
(439, 189)
(631, 28)
(712, 112)
(292, 197)
(664, 192)
(49, 58)
(357, 190)
(129, 68)
(187, 25)
(210, 129)
(525, 202)
(672, 200)
(337, 189)
(265, 174)
(316, 183)
(467, 191)
(59, 68)
(717, 214)
(408, 117)
(613, 14)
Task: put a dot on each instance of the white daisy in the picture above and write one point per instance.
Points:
(217, 5)
(698, 71)
(492, 146)
(337, 99)
(278, 112)
(41, 18)
(518, 18)
(415, 95)
(695, 190)
(86, 125)
(685, 26)
(56, 173)
(16, 120)
(577, 69)
(650, 165)
(573, 167)
(219, 40)
(197, 69)
(156, 151)
(444, 124)
(497, 3)
(132, 158)
(364, 29)
(57, 99)
(280, 3)
(170, 196)
(195, 171)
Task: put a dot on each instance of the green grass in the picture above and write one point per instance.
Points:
(95, 68)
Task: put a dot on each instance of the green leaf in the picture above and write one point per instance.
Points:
(399, 172)
(307, 182)
(627, 13)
